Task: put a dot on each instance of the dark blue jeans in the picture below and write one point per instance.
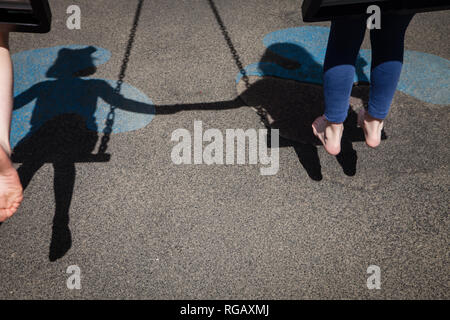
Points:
(346, 37)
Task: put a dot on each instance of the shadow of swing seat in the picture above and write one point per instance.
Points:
(65, 138)
(25, 16)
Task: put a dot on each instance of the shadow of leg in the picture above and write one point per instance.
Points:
(64, 181)
(27, 170)
(309, 158)
(348, 156)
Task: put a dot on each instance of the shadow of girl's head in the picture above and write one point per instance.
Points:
(287, 55)
(73, 63)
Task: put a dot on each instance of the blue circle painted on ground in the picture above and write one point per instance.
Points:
(49, 82)
(424, 76)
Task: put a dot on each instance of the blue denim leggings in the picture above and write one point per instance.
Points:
(346, 37)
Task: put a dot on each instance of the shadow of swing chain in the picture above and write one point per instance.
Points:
(112, 112)
(259, 110)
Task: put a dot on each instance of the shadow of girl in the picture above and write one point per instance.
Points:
(64, 130)
(291, 105)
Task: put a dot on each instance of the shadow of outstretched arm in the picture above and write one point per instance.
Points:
(27, 96)
(109, 95)
(207, 106)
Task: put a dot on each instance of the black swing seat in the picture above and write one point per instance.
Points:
(325, 10)
(88, 158)
(25, 16)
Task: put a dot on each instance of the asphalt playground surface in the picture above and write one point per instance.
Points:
(141, 227)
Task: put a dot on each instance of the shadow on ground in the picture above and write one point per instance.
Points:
(64, 131)
(69, 138)
(291, 107)
(66, 139)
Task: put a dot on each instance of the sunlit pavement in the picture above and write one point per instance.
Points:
(139, 226)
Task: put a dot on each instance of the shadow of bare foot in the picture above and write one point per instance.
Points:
(307, 155)
(347, 158)
(61, 242)
(309, 158)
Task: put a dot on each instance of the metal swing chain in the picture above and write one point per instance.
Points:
(112, 112)
(259, 109)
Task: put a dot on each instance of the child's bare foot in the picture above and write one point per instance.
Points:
(372, 128)
(11, 192)
(329, 133)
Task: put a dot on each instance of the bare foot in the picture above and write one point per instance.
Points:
(329, 133)
(11, 192)
(372, 128)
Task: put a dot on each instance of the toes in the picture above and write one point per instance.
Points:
(318, 124)
(16, 201)
(5, 214)
(319, 134)
(315, 128)
(361, 116)
(16, 205)
(10, 209)
(318, 127)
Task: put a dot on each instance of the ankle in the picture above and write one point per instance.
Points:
(369, 118)
(5, 161)
(6, 148)
(335, 127)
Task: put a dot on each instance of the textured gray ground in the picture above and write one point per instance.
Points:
(143, 227)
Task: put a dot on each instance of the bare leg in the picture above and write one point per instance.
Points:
(11, 193)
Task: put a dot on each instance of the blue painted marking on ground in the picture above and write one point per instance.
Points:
(425, 76)
(47, 84)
